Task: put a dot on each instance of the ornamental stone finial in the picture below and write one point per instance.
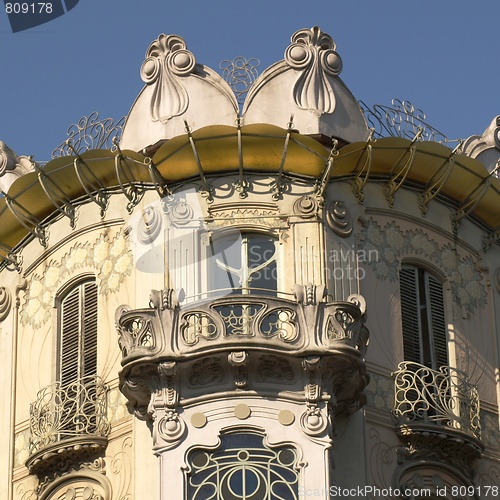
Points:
(312, 52)
(486, 147)
(12, 166)
(167, 59)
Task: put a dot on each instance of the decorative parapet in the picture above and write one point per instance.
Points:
(253, 321)
(443, 397)
(68, 424)
(233, 334)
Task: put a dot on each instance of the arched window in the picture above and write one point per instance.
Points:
(243, 467)
(80, 396)
(78, 332)
(423, 318)
(245, 263)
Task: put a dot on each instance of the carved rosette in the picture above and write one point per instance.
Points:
(149, 225)
(338, 218)
(167, 59)
(313, 54)
(306, 207)
(170, 428)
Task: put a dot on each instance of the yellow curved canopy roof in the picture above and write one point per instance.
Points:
(34, 199)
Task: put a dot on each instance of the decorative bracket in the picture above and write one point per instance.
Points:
(239, 361)
(392, 186)
(438, 180)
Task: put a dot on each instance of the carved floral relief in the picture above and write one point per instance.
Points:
(391, 244)
(111, 258)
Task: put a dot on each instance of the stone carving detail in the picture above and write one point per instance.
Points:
(306, 206)
(5, 303)
(171, 428)
(338, 218)
(168, 298)
(120, 465)
(313, 422)
(12, 167)
(309, 295)
(149, 225)
(391, 244)
(426, 445)
(487, 143)
(281, 323)
(166, 60)
(252, 216)
(313, 54)
(239, 361)
(112, 260)
(207, 371)
(274, 368)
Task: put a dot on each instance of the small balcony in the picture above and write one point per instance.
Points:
(437, 406)
(68, 424)
(443, 397)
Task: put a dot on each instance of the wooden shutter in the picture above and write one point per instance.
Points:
(410, 316)
(423, 318)
(437, 325)
(78, 333)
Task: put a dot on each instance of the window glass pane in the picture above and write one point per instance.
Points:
(243, 467)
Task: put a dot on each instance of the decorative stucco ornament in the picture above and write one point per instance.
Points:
(5, 303)
(486, 147)
(312, 53)
(307, 85)
(179, 95)
(12, 166)
(167, 59)
(338, 218)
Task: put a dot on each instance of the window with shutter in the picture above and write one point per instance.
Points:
(423, 318)
(78, 358)
(78, 333)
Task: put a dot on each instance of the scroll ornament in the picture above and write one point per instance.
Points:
(167, 59)
(313, 54)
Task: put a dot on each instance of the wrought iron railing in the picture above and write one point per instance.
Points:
(402, 119)
(67, 412)
(443, 397)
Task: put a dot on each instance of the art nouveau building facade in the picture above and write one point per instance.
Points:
(271, 302)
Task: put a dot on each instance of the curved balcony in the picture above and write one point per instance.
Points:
(302, 326)
(443, 397)
(437, 412)
(68, 424)
(237, 330)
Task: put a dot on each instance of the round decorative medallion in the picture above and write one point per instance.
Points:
(242, 411)
(198, 420)
(286, 417)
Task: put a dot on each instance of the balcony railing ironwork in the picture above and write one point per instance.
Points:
(443, 397)
(61, 413)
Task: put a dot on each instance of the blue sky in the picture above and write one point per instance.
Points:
(441, 55)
